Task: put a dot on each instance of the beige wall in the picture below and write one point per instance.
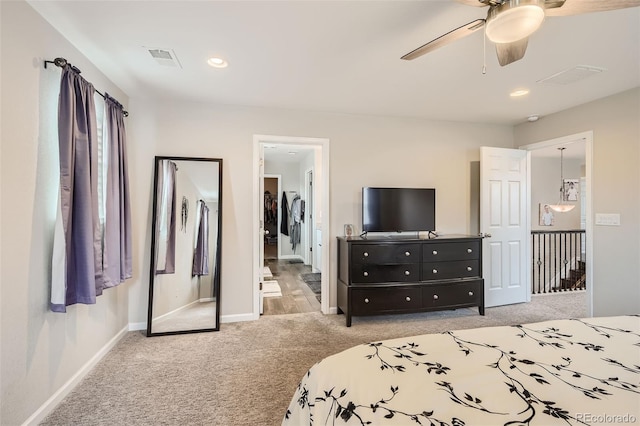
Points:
(41, 350)
(365, 151)
(615, 122)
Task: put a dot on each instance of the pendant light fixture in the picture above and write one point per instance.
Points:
(562, 206)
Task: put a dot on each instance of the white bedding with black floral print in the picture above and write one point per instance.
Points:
(581, 371)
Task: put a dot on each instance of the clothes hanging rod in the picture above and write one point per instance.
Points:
(61, 62)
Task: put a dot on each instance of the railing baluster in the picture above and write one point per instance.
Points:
(557, 261)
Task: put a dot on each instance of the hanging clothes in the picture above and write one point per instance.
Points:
(270, 209)
(296, 217)
(284, 224)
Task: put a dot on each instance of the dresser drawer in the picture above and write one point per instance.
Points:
(447, 270)
(459, 250)
(451, 295)
(366, 301)
(369, 273)
(387, 253)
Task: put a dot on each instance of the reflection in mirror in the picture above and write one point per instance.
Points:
(184, 283)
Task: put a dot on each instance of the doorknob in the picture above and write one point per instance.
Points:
(484, 235)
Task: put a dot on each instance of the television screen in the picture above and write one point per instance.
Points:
(398, 209)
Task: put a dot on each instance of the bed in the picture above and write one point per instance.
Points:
(579, 371)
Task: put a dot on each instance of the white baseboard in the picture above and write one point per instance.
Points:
(65, 389)
(135, 326)
(333, 310)
(238, 317)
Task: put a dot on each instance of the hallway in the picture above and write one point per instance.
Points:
(297, 296)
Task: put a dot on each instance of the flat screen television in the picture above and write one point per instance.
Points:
(398, 209)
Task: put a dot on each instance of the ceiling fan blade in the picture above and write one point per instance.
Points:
(447, 38)
(511, 52)
(477, 3)
(576, 7)
(552, 4)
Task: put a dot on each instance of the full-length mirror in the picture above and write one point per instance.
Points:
(184, 281)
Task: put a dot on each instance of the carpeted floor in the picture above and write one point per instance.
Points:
(246, 373)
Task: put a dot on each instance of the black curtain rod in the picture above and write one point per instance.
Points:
(61, 62)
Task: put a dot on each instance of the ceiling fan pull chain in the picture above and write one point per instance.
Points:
(484, 50)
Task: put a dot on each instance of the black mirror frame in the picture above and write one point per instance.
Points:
(218, 256)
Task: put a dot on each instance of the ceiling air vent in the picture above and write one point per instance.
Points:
(164, 57)
(572, 75)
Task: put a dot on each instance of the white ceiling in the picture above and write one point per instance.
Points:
(344, 56)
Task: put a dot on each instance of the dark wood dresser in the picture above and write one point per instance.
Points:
(386, 275)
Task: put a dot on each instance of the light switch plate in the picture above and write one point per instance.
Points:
(608, 219)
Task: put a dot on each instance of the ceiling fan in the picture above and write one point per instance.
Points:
(509, 23)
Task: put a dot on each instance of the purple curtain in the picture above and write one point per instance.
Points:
(201, 253)
(80, 242)
(166, 218)
(117, 261)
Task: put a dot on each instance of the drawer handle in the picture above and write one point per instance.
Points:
(366, 254)
(435, 271)
(408, 299)
(469, 251)
(365, 273)
(469, 268)
(406, 253)
(435, 252)
(470, 293)
(435, 297)
(366, 300)
(407, 273)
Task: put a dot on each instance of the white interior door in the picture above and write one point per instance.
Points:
(261, 227)
(504, 215)
(310, 240)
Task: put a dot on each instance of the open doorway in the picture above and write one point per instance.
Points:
(293, 280)
(561, 242)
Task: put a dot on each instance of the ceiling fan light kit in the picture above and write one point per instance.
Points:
(514, 20)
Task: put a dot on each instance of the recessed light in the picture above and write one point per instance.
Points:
(519, 92)
(217, 62)
(533, 118)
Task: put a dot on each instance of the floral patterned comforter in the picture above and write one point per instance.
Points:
(580, 371)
